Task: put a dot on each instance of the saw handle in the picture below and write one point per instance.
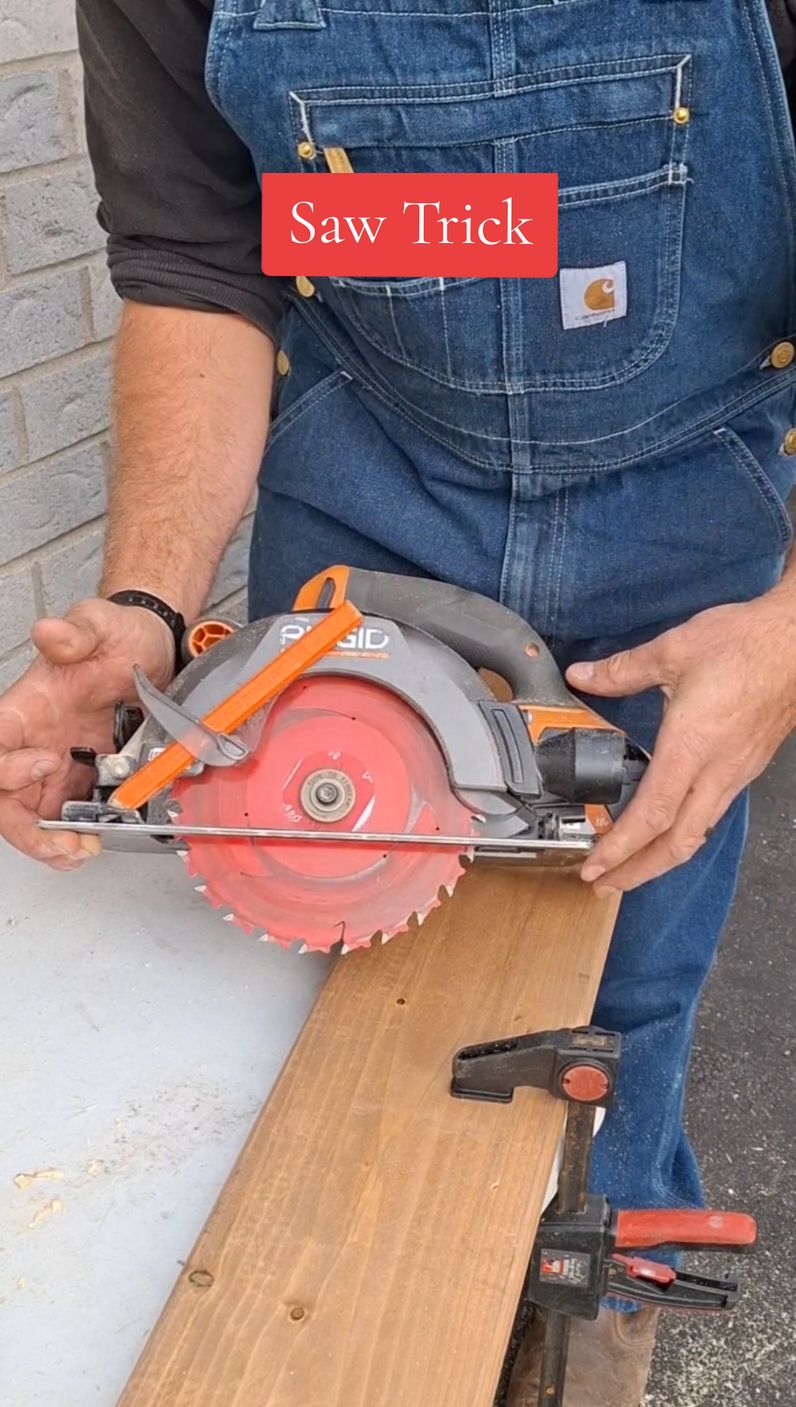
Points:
(486, 634)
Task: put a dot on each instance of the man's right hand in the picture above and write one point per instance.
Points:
(67, 698)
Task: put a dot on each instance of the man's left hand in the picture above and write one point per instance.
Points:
(729, 681)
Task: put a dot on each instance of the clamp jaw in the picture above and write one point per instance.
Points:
(577, 1065)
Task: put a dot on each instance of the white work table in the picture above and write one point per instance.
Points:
(139, 1035)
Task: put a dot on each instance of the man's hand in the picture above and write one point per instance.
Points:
(729, 681)
(67, 698)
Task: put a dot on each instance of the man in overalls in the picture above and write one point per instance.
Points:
(616, 473)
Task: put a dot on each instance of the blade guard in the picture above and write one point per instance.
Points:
(240, 706)
(484, 633)
(488, 636)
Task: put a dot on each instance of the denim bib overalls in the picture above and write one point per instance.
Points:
(606, 476)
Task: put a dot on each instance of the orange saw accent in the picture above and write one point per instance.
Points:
(205, 633)
(241, 705)
(311, 592)
(542, 718)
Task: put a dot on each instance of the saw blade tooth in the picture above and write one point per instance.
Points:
(344, 948)
(305, 948)
(183, 854)
(272, 938)
(229, 918)
(200, 888)
(421, 918)
(386, 938)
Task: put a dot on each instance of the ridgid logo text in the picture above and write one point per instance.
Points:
(399, 226)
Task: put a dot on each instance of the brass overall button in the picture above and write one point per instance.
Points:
(789, 443)
(783, 355)
(282, 362)
(306, 288)
(306, 150)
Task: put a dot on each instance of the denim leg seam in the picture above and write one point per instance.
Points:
(667, 1198)
(552, 624)
(507, 595)
(551, 560)
(444, 313)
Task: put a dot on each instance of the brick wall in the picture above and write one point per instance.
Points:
(57, 317)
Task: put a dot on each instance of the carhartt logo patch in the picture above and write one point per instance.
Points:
(593, 295)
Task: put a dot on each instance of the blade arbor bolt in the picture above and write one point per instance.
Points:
(327, 795)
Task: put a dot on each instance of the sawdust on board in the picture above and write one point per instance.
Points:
(23, 1180)
(49, 1209)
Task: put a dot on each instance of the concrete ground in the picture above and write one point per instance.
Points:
(742, 1118)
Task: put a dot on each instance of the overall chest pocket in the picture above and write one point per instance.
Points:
(616, 133)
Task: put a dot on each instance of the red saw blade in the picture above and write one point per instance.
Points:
(335, 753)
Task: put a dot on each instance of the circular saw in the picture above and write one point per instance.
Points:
(328, 774)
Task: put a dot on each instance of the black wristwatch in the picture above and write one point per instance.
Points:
(148, 602)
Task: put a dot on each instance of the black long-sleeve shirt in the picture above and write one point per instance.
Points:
(179, 195)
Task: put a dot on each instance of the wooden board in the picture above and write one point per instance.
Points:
(369, 1248)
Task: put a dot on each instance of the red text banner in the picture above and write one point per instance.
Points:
(415, 224)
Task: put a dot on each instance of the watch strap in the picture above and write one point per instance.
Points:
(147, 602)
